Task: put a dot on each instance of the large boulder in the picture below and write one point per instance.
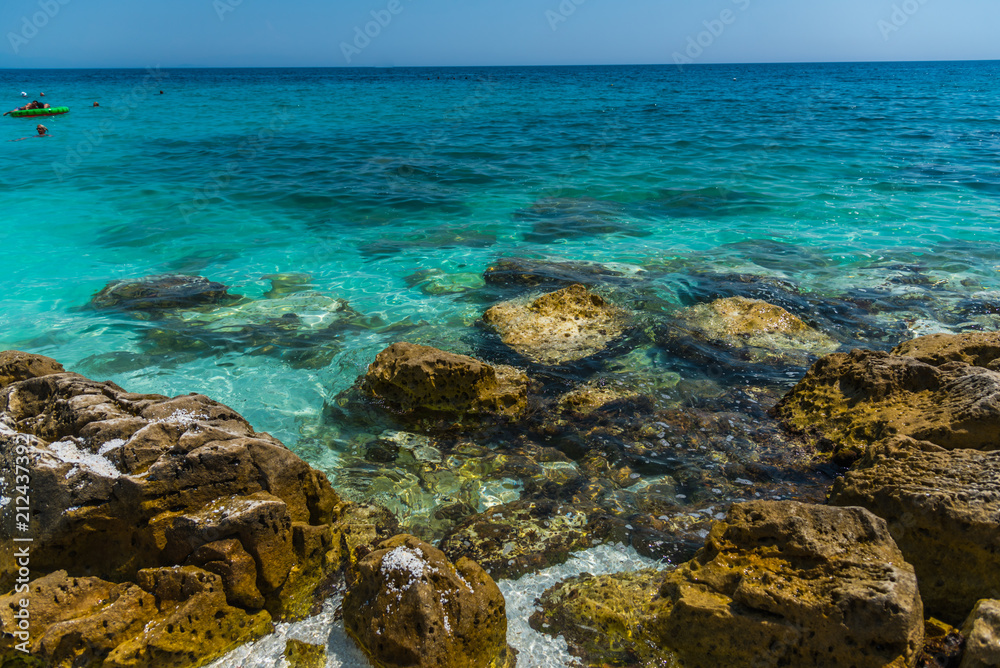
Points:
(122, 483)
(982, 636)
(975, 348)
(740, 333)
(420, 381)
(777, 584)
(558, 327)
(156, 293)
(854, 399)
(943, 510)
(410, 606)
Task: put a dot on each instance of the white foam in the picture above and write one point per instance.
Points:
(539, 649)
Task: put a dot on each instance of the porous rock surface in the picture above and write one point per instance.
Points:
(558, 327)
(168, 291)
(778, 583)
(124, 484)
(737, 331)
(421, 381)
(982, 636)
(943, 510)
(857, 398)
(409, 606)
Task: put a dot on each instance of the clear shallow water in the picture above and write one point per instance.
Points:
(840, 178)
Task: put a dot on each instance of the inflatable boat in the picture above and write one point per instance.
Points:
(31, 113)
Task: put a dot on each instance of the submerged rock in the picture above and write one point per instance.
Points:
(555, 218)
(943, 510)
(156, 293)
(409, 606)
(512, 539)
(982, 636)
(740, 333)
(562, 326)
(777, 584)
(299, 654)
(122, 483)
(857, 398)
(527, 273)
(423, 382)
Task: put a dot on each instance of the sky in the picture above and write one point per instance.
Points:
(361, 33)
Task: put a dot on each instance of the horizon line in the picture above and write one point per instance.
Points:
(385, 67)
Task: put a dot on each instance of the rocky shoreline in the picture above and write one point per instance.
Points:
(852, 520)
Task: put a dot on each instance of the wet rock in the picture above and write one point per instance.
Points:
(777, 584)
(174, 618)
(740, 333)
(16, 365)
(156, 293)
(299, 654)
(563, 326)
(123, 482)
(528, 273)
(437, 282)
(975, 348)
(943, 645)
(512, 539)
(982, 636)
(408, 605)
(287, 284)
(421, 382)
(857, 398)
(943, 510)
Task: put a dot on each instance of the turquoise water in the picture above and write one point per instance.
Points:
(876, 184)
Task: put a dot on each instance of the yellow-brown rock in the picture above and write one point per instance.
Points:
(943, 510)
(181, 620)
(738, 332)
(777, 584)
(421, 381)
(982, 636)
(409, 606)
(857, 398)
(558, 327)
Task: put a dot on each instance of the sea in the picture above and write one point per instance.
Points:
(353, 208)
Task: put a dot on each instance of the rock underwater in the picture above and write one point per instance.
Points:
(558, 327)
(171, 516)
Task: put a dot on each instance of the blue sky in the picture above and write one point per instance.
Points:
(238, 33)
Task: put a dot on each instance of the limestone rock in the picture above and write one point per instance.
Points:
(778, 583)
(123, 483)
(943, 510)
(15, 366)
(181, 620)
(153, 293)
(303, 655)
(982, 636)
(857, 398)
(421, 381)
(558, 327)
(975, 348)
(515, 538)
(410, 606)
(737, 332)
